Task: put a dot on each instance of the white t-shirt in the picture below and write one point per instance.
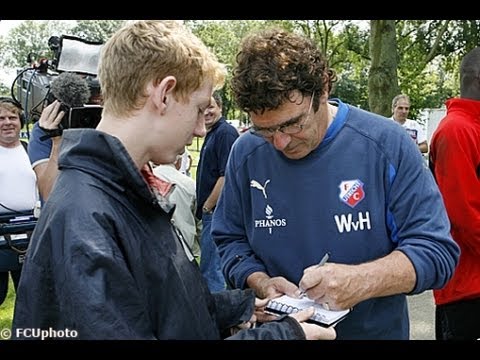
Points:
(415, 130)
(185, 165)
(18, 182)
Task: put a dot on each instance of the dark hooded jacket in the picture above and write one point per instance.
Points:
(105, 263)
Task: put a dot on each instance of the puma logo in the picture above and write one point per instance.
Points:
(255, 184)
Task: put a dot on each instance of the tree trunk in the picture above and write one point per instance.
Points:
(382, 78)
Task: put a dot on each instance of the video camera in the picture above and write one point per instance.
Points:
(15, 232)
(69, 77)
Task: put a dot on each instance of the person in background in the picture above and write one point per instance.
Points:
(455, 163)
(400, 110)
(183, 196)
(43, 154)
(18, 188)
(105, 262)
(315, 176)
(185, 163)
(46, 138)
(209, 180)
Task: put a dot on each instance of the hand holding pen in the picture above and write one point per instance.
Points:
(321, 263)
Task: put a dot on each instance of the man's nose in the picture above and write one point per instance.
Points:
(280, 140)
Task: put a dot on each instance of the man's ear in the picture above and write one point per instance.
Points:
(163, 93)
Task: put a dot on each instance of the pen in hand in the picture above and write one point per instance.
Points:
(321, 263)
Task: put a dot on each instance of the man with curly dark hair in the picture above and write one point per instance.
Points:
(314, 176)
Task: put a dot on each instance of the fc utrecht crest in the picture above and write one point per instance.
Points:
(351, 192)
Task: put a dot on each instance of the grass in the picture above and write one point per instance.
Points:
(6, 309)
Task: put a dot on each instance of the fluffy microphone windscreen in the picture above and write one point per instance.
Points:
(70, 89)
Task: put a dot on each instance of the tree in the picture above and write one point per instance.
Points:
(96, 30)
(4, 90)
(29, 41)
(342, 42)
(352, 63)
(223, 38)
(382, 78)
(429, 52)
(416, 57)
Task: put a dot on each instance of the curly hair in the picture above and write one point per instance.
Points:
(273, 63)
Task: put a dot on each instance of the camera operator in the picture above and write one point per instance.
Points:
(46, 134)
(44, 154)
(18, 191)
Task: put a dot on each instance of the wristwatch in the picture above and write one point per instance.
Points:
(207, 210)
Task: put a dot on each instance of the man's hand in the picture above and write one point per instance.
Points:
(267, 287)
(342, 286)
(51, 116)
(334, 285)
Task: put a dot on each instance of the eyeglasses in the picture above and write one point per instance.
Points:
(289, 129)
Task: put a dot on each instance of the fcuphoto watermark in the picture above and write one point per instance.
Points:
(39, 334)
(5, 334)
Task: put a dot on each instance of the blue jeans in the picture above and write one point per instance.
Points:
(209, 257)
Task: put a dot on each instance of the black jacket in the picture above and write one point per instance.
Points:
(104, 261)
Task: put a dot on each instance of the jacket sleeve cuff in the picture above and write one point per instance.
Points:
(233, 307)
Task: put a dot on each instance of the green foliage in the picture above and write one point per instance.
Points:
(96, 30)
(339, 40)
(223, 38)
(30, 38)
(428, 52)
(29, 41)
(4, 90)
(344, 44)
(352, 87)
(351, 62)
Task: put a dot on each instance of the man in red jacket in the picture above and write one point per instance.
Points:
(455, 163)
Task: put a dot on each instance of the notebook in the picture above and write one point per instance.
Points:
(287, 305)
